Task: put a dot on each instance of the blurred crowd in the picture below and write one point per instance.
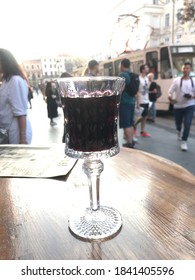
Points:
(137, 105)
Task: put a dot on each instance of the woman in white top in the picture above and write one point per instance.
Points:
(14, 100)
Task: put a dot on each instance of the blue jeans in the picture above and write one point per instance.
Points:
(184, 116)
(152, 111)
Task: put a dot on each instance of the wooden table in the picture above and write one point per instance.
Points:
(155, 197)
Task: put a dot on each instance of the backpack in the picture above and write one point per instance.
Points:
(182, 82)
(153, 97)
(133, 87)
(159, 92)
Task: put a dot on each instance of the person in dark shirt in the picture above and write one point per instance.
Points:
(51, 103)
(127, 106)
(152, 97)
(93, 68)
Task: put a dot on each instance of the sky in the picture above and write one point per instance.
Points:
(34, 28)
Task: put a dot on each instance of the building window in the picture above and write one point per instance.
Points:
(165, 64)
(136, 66)
(44, 60)
(192, 31)
(45, 73)
(51, 73)
(179, 36)
(38, 66)
(117, 67)
(56, 73)
(155, 21)
(155, 2)
(50, 65)
(154, 42)
(166, 40)
(177, 17)
(54, 65)
(108, 69)
(32, 66)
(166, 20)
(152, 61)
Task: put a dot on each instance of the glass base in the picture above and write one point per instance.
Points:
(92, 155)
(103, 223)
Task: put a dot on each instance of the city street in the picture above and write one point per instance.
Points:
(163, 141)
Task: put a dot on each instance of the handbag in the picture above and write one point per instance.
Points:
(30, 93)
(4, 137)
(138, 112)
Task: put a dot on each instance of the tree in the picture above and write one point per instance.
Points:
(187, 13)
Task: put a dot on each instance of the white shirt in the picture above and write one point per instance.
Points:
(177, 92)
(14, 103)
(144, 90)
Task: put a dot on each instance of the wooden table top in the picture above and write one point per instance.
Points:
(155, 197)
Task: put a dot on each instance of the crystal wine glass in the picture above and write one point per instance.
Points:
(91, 113)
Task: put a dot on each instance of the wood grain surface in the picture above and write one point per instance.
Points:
(155, 197)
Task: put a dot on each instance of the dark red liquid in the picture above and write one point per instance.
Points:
(92, 123)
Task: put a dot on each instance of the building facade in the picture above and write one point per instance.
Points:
(33, 71)
(173, 31)
(50, 67)
(53, 67)
(149, 23)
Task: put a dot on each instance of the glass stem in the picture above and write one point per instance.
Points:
(93, 169)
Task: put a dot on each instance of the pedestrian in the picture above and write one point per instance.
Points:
(14, 100)
(182, 94)
(51, 103)
(37, 90)
(152, 97)
(64, 75)
(93, 68)
(30, 95)
(127, 106)
(143, 99)
(43, 88)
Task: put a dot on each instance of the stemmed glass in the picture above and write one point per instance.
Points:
(91, 109)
